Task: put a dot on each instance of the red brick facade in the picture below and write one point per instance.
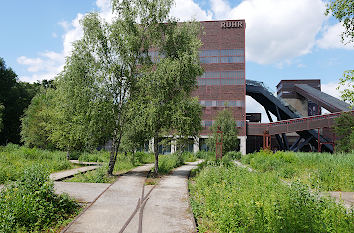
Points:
(224, 80)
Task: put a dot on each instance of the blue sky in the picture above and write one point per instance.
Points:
(285, 39)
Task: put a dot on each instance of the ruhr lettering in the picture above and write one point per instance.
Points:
(232, 24)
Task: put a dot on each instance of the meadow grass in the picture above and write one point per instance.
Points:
(321, 171)
(232, 199)
(15, 159)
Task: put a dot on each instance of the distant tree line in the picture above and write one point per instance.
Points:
(15, 97)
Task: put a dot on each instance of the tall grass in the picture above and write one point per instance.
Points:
(30, 203)
(15, 159)
(231, 199)
(321, 171)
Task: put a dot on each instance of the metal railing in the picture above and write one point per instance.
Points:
(293, 125)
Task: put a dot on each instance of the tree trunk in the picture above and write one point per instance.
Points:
(156, 152)
(112, 158)
(67, 155)
(114, 153)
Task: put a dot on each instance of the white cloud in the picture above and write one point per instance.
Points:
(331, 38)
(278, 30)
(187, 9)
(50, 63)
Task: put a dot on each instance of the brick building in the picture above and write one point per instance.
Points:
(223, 83)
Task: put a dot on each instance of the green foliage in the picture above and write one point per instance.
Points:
(231, 199)
(344, 131)
(188, 157)
(162, 102)
(15, 96)
(96, 176)
(322, 171)
(233, 155)
(30, 204)
(206, 155)
(227, 125)
(15, 159)
(1, 113)
(347, 82)
(168, 162)
(343, 10)
(35, 129)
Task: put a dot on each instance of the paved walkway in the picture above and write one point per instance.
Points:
(82, 192)
(111, 211)
(168, 208)
(69, 173)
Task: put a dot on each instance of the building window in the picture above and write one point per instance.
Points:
(222, 103)
(222, 56)
(236, 77)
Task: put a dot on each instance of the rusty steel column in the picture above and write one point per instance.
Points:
(266, 140)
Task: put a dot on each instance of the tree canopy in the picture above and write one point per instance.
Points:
(112, 77)
(227, 125)
(343, 10)
(345, 132)
(15, 96)
(1, 113)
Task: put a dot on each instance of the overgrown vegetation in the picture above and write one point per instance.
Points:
(231, 199)
(124, 163)
(321, 171)
(15, 159)
(345, 132)
(226, 122)
(30, 204)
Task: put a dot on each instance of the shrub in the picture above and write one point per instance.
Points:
(30, 204)
(188, 157)
(205, 155)
(168, 162)
(233, 155)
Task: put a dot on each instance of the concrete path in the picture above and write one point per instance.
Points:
(111, 211)
(82, 192)
(69, 173)
(347, 198)
(168, 209)
(85, 163)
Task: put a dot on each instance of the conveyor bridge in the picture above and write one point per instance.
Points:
(288, 120)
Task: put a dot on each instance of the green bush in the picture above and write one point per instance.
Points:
(168, 162)
(30, 204)
(231, 199)
(188, 157)
(206, 155)
(233, 155)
